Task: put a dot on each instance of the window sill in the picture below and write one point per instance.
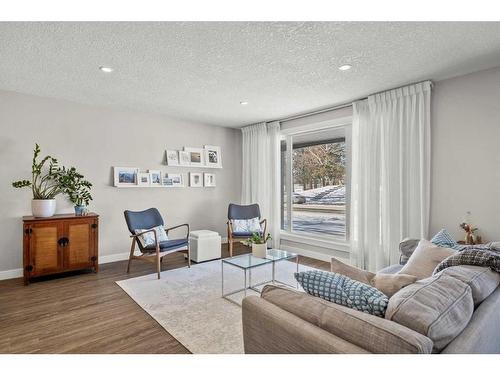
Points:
(323, 242)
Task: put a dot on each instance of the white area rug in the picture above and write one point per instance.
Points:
(187, 302)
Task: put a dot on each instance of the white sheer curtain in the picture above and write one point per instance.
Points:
(260, 173)
(390, 178)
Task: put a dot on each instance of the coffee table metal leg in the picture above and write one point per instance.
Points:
(245, 286)
(273, 272)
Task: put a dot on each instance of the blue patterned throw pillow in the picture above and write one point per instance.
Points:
(444, 239)
(344, 291)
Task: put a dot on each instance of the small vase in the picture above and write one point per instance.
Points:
(43, 207)
(259, 250)
(80, 210)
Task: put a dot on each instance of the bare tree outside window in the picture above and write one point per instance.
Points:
(318, 195)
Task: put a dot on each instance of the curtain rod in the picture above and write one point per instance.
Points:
(345, 105)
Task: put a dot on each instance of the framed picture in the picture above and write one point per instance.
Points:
(154, 177)
(196, 156)
(143, 179)
(209, 179)
(184, 158)
(195, 179)
(125, 176)
(172, 157)
(176, 179)
(213, 156)
(167, 181)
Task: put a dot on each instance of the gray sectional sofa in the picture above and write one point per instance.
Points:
(455, 311)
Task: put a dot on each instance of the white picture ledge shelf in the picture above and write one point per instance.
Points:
(194, 166)
(149, 187)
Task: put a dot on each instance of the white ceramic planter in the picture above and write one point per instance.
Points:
(43, 207)
(259, 250)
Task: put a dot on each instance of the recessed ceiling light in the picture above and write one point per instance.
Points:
(243, 103)
(106, 69)
(345, 67)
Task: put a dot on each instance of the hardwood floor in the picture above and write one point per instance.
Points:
(87, 313)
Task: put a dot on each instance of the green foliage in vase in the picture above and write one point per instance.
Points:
(258, 239)
(48, 179)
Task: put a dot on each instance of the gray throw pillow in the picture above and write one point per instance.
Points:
(439, 307)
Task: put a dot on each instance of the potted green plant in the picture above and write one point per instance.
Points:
(48, 179)
(77, 190)
(259, 244)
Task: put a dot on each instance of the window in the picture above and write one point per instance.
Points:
(314, 168)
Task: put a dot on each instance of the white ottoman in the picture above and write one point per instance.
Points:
(205, 245)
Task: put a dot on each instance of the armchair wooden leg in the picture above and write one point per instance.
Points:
(230, 241)
(158, 263)
(132, 249)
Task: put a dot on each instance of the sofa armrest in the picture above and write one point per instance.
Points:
(373, 334)
(267, 329)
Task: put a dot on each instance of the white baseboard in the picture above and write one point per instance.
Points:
(11, 274)
(113, 257)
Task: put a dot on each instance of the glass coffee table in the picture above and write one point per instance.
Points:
(247, 262)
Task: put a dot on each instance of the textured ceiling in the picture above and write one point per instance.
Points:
(201, 71)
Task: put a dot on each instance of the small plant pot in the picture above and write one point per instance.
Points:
(259, 250)
(43, 207)
(80, 210)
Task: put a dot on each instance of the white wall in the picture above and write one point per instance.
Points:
(94, 140)
(466, 153)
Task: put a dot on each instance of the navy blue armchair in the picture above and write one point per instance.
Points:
(238, 212)
(148, 219)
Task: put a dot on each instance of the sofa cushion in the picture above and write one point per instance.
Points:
(385, 282)
(482, 280)
(344, 291)
(438, 307)
(392, 269)
(406, 248)
(425, 258)
(369, 332)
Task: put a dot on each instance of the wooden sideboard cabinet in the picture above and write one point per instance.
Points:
(59, 243)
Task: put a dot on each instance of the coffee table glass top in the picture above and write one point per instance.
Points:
(246, 261)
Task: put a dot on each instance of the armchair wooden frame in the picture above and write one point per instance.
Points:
(231, 239)
(157, 256)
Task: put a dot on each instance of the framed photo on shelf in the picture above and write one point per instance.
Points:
(213, 157)
(154, 178)
(209, 179)
(196, 156)
(176, 179)
(125, 176)
(172, 157)
(143, 179)
(195, 179)
(167, 181)
(184, 158)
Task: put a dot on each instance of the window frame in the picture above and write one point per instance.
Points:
(321, 240)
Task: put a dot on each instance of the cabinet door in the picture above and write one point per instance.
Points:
(45, 254)
(79, 250)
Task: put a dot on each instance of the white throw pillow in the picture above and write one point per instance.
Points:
(148, 239)
(424, 260)
(246, 226)
(254, 225)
